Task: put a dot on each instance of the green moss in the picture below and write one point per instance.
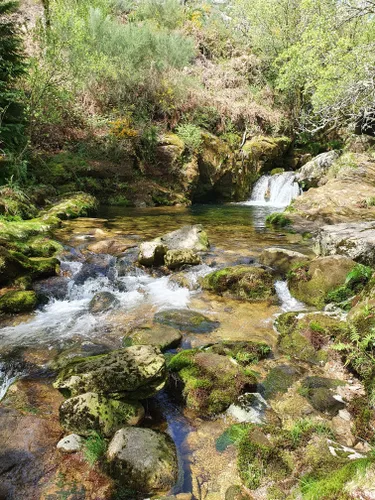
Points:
(211, 381)
(259, 461)
(244, 282)
(17, 302)
(279, 379)
(332, 485)
(278, 220)
(276, 171)
(232, 435)
(94, 448)
(73, 206)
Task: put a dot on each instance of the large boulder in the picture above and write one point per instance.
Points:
(93, 412)
(136, 372)
(192, 238)
(313, 173)
(355, 240)
(265, 153)
(311, 283)
(15, 264)
(281, 259)
(347, 196)
(243, 282)
(143, 459)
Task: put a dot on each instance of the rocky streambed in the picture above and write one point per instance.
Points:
(206, 363)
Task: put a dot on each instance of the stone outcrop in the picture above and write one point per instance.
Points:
(313, 173)
(355, 240)
(281, 259)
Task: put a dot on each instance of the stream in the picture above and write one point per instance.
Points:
(237, 234)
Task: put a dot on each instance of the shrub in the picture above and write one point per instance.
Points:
(191, 135)
(94, 448)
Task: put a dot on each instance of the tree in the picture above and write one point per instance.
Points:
(12, 66)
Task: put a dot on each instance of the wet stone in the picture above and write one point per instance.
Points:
(186, 320)
(70, 444)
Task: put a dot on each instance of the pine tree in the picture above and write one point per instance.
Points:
(12, 66)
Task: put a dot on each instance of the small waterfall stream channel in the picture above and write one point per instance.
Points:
(237, 234)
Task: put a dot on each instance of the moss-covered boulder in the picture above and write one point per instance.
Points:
(143, 460)
(72, 206)
(93, 412)
(163, 336)
(211, 380)
(186, 320)
(303, 337)
(242, 282)
(265, 153)
(311, 283)
(177, 258)
(281, 259)
(135, 372)
(18, 302)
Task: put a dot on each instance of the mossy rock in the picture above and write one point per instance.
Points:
(244, 352)
(103, 302)
(93, 412)
(282, 260)
(311, 283)
(303, 337)
(18, 302)
(279, 379)
(136, 372)
(243, 282)
(73, 206)
(186, 321)
(211, 382)
(174, 259)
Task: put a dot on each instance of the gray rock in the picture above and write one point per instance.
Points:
(312, 174)
(102, 302)
(137, 372)
(143, 459)
(163, 336)
(70, 444)
(194, 238)
(177, 258)
(281, 259)
(354, 239)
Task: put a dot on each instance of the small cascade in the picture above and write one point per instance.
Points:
(288, 302)
(277, 190)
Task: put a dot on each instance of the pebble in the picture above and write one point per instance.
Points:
(70, 444)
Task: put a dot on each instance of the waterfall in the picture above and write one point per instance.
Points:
(275, 190)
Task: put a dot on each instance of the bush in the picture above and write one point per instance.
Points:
(94, 448)
(191, 135)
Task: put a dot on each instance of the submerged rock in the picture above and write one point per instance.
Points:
(355, 240)
(70, 444)
(281, 259)
(163, 336)
(137, 372)
(93, 412)
(186, 320)
(279, 379)
(243, 282)
(102, 302)
(18, 302)
(311, 283)
(193, 238)
(143, 459)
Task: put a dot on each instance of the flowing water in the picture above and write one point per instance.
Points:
(237, 235)
(277, 190)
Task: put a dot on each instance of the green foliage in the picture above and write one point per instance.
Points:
(168, 14)
(191, 135)
(94, 448)
(278, 220)
(303, 429)
(232, 435)
(355, 282)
